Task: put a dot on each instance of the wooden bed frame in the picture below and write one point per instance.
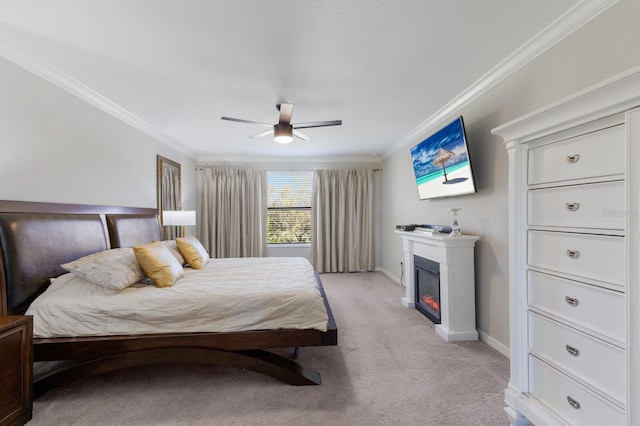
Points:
(35, 238)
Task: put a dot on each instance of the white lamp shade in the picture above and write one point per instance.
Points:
(178, 218)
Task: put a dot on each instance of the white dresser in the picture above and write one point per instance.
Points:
(574, 259)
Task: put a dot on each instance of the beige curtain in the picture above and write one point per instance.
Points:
(171, 198)
(342, 221)
(233, 212)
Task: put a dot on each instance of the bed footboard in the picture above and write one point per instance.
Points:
(259, 361)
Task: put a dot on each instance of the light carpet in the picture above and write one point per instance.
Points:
(389, 368)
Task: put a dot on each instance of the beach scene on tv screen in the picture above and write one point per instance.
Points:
(441, 163)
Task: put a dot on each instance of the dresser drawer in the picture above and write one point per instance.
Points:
(599, 205)
(579, 157)
(597, 257)
(595, 308)
(574, 403)
(580, 355)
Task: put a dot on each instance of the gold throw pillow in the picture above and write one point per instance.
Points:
(159, 264)
(193, 251)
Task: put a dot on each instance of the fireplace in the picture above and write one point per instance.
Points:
(452, 281)
(427, 281)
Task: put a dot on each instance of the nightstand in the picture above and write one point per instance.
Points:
(16, 369)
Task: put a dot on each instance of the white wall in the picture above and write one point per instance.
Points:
(55, 147)
(290, 250)
(602, 48)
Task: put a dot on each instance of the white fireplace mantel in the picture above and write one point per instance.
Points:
(457, 280)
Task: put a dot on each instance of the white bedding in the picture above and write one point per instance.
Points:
(227, 295)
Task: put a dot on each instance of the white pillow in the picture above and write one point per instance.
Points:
(114, 269)
(173, 248)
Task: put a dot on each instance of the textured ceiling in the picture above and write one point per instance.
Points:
(383, 67)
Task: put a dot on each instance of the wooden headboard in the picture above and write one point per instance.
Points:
(128, 230)
(35, 238)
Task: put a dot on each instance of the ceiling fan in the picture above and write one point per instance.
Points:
(284, 130)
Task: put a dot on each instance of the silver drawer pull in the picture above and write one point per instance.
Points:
(573, 159)
(572, 207)
(572, 402)
(571, 301)
(573, 351)
(574, 254)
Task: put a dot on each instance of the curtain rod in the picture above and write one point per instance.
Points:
(288, 170)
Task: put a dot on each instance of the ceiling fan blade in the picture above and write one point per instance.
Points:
(317, 124)
(261, 134)
(240, 120)
(301, 135)
(286, 110)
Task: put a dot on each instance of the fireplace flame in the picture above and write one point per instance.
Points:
(428, 300)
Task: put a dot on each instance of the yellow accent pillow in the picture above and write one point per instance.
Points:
(193, 251)
(159, 264)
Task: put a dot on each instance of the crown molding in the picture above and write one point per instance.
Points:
(227, 160)
(565, 24)
(76, 88)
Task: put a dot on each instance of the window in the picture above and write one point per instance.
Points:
(289, 207)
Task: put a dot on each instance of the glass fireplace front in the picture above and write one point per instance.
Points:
(427, 273)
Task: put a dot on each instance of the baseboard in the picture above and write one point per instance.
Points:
(392, 277)
(493, 343)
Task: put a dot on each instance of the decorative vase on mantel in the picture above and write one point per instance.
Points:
(455, 226)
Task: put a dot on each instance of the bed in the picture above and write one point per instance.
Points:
(36, 238)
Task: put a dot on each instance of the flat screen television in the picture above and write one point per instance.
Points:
(442, 165)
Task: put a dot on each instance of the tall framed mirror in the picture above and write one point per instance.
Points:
(169, 191)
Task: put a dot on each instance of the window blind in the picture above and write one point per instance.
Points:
(289, 207)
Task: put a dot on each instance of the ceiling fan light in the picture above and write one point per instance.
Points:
(283, 133)
(283, 139)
